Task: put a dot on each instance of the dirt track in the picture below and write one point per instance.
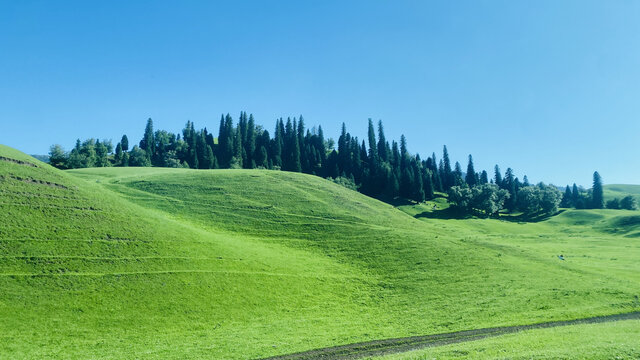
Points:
(390, 346)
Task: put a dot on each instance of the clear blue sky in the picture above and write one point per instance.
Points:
(550, 88)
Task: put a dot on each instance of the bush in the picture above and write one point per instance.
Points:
(613, 204)
(349, 183)
(629, 203)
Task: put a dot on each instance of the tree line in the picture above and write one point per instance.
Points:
(374, 166)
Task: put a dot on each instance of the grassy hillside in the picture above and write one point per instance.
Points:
(618, 340)
(175, 263)
(620, 191)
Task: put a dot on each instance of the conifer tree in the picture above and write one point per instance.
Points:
(575, 195)
(427, 182)
(118, 155)
(497, 176)
(484, 177)
(437, 180)
(125, 143)
(277, 145)
(148, 143)
(373, 153)
(566, 198)
(236, 159)
(470, 178)
(250, 143)
(302, 146)
(457, 175)
(447, 174)
(597, 197)
(509, 184)
(382, 143)
(296, 164)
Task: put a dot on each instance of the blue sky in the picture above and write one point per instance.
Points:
(550, 88)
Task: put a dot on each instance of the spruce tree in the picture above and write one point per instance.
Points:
(437, 180)
(250, 143)
(575, 196)
(497, 176)
(457, 175)
(296, 164)
(382, 143)
(118, 155)
(447, 174)
(373, 147)
(470, 178)
(427, 182)
(147, 143)
(597, 197)
(566, 198)
(484, 177)
(509, 184)
(236, 159)
(125, 143)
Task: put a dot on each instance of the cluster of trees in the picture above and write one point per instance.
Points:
(579, 198)
(482, 198)
(626, 203)
(374, 166)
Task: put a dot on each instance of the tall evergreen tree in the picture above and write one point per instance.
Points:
(470, 178)
(125, 143)
(118, 156)
(373, 153)
(497, 176)
(597, 197)
(457, 175)
(509, 184)
(575, 195)
(148, 143)
(566, 198)
(382, 143)
(484, 177)
(250, 143)
(446, 174)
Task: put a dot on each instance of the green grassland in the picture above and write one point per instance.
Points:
(616, 340)
(619, 191)
(179, 263)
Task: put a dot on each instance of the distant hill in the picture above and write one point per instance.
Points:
(620, 191)
(235, 264)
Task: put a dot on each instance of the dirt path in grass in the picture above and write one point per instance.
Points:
(390, 346)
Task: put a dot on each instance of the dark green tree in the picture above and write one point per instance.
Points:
(125, 143)
(575, 196)
(497, 176)
(597, 197)
(447, 174)
(383, 151)
(484, 177)
(629, 203)
(58, 157)
(567, 198)
(471, 178)
(147, 143)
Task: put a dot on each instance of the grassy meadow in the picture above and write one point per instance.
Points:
(177, 263)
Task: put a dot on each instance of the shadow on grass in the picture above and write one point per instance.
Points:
(448, 213)
(451, 213)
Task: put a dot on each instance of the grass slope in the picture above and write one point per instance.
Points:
(177, 263)
(619, 191)
(615, 340)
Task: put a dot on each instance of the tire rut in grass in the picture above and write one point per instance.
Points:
(398, 345)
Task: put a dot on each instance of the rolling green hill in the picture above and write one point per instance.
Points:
(620, 191)
(178, 263)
